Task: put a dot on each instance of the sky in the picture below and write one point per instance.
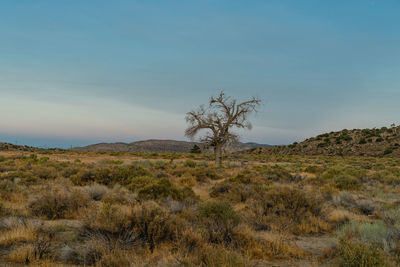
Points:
(77, 72)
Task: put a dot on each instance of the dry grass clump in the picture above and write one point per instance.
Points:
(26, 240)
(338, 216)
(355, 253)
(96, 191)
(119, 195)
(19, 234)
(58, 203)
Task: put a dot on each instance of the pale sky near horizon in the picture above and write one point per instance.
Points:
(80, 72)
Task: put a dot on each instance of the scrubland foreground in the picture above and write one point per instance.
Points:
(125, 209)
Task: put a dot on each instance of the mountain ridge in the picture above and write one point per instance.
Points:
(159, 146)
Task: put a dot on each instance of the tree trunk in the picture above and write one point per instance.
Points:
(218, 154)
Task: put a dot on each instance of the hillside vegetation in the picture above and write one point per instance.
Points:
(367, 142)
(124, 209)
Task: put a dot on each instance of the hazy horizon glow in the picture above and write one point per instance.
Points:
(74, 73)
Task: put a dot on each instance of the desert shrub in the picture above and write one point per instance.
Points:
(2, 209)
(220, 211)
(123, 174)
(344, 199)
(106, 232)
(111, 162)
(274, 173)
(366, 207)
(338, 217)
(355, 254)
(190, 164)
(163, 188)
(45, 172)
(141, 181)
(88, 176)
(392, 218)
(69, 171)
(109, 176)
(119, 195)
(314, 169)
(22, 177)
(244, 177)
(187, 180)
(152, 224)
(287, 207)
(115, 258)
(240, 188)
(57, 203)
(379, 139)
(6, 187)
(202, 174)
(102, 176)
(106, 218)
(219, 219)
(344, 182)
(233, 191)
(377, 234)
(362, 141)
(221, 257)
(96, 191)
(388, 151)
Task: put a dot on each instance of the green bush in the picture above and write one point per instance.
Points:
(123, 174)
(140, 182)
(376, 233)
(163, 188)
(219, 211)
(195, 149)
(219, 219)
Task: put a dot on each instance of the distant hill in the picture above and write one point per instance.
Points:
(358, 142)
(8, 146)
(159, 146)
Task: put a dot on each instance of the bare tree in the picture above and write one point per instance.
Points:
(221, 115)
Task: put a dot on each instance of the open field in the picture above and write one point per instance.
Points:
(141, 209)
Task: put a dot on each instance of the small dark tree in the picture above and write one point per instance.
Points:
(221, 115)
(195, 149)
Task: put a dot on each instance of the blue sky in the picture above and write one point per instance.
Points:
(79, 72)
